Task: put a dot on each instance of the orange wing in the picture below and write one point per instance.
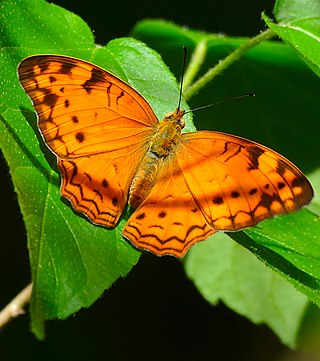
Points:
(214, 181)
(95, 124)
(237, 182)
(169, 221)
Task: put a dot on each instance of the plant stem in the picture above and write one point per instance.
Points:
(196, 61)
(226, 62)
(16, 306)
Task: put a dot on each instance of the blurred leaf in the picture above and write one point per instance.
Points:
(308, 340)
(222, 270)
(290, 10)
(290, 245)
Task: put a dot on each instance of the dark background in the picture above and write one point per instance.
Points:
(155, 313)
(111, 19)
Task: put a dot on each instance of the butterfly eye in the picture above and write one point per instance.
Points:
(182, 123)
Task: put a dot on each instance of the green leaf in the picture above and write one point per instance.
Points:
(72, 260)
(284, 243)
(299, 26)
(223, 270)
(290, 10)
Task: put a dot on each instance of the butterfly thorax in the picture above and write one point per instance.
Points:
(166, 134)
(162, 143)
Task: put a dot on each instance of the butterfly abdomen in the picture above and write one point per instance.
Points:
(144, 179)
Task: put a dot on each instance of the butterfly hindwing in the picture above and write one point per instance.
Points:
(169, 221)
(98, 186)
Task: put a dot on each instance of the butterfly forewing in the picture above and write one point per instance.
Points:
(82, 109)
(238, 183)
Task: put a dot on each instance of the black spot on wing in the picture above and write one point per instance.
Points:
(217, 200)
(281, 169)
(97, 76)
(119, 97)
(80, 137)
(66, 68)
(235, 194)
(254, 154)
(141, 215)
(50, 99)
(267, 200)
(52, 79)
(298, 182)
(43, 67)
(233, 152)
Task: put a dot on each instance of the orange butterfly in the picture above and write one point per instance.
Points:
(112, 149)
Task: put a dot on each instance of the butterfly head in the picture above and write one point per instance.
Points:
(176, 118)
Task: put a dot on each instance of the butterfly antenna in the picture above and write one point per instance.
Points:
(182, 74)
(221, 102)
